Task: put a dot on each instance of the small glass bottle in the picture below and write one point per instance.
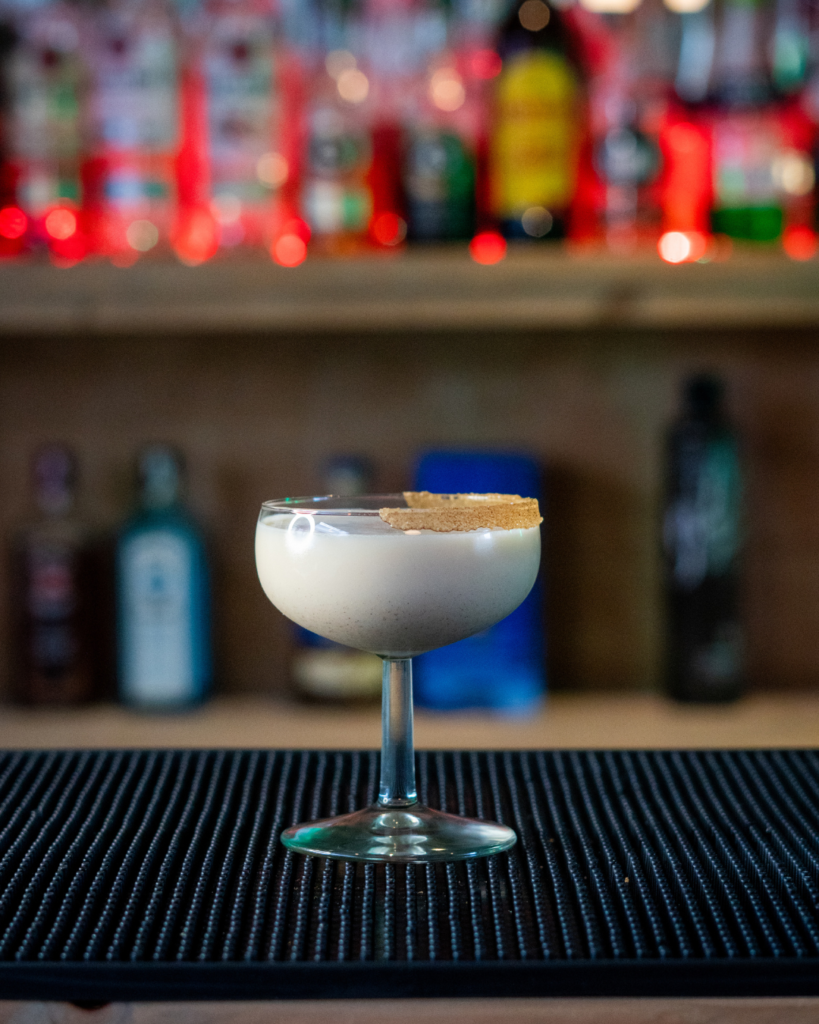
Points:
(702, 544)
(163, 594)
(323, 671)
(53, 591)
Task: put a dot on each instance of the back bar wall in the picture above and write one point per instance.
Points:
(256, 416)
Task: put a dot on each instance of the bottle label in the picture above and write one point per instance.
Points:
(241, 105)
(337, 673)
(336, 197)
(45, 85)
(702, 527)
(157, 619)
(534, 152)
(135, 104)
(52, 604)
(332, 207)
(440, 185)
(52, 593)
(745, 152)
(718, 662)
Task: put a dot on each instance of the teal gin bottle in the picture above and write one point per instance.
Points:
(163, 594)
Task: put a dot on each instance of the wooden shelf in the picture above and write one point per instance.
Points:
(573, 721)
(440, 289)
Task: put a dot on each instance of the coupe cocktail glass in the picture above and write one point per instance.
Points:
(333, 566)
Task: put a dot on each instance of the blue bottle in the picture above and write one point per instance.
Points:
(163, 595)
(501, 669)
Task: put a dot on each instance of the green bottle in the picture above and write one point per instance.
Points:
(747, 202)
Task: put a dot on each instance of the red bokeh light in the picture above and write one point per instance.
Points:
(296, 226)
(289, 250)
(13, 222)
(61, 223)
(486, 64)
(487, 247)
(195, 242)
(68, 251)
(800, 243)
(389, 229)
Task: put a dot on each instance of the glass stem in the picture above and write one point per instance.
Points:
(397, 787)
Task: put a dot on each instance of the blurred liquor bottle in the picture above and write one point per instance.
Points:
(163, 594)
(789, 50)
(537, 124)
(793, 54)
(697, 44)
(53, 596)
(336, 194)
(323, 671)
(396, 39)
(47, 83)
(702, 535)
(246, 167)
(13, 222)
(501, 669)
(746, 130)
(476, 42)
(134, 115)
(738, 76)
(687, 187)
(629, 108)
(445, 128)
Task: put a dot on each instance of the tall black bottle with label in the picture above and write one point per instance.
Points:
(53, 591)
(702, 534)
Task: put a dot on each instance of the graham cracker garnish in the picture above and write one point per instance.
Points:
(449, 513)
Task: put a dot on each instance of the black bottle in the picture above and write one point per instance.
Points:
(702, 535)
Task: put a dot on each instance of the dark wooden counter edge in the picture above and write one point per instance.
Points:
(165, 982)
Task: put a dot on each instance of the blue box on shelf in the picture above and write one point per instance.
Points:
(501, 669)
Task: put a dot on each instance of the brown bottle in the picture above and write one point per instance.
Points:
(52, 595)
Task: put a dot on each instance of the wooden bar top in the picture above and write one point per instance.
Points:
(430, 1011)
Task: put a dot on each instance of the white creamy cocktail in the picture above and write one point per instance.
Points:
(398, 575)
(392, 592)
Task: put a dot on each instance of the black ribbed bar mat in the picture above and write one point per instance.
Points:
(144, 875)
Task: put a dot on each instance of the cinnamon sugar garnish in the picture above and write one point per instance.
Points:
(448, 513)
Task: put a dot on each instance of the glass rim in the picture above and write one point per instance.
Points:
(311, 505)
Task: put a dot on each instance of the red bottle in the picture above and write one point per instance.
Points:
(134, 117)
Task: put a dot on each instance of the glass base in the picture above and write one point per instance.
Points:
(399, 835)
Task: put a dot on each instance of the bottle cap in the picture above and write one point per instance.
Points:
(54, 476)
(704, 393)
(348, 475)
(160, 469)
